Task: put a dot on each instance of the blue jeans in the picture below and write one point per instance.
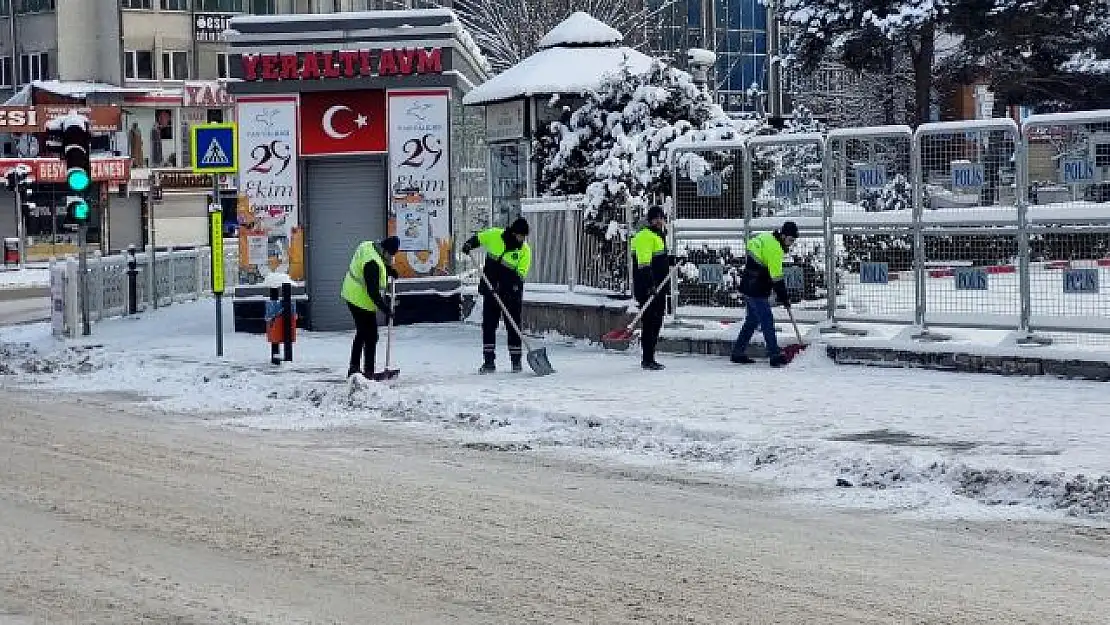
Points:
(759, 315)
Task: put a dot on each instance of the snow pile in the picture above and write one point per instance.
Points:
(855, 435)
(32, 277)
(580, 28)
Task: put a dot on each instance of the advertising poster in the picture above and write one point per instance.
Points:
(270, 238)
(419, 181)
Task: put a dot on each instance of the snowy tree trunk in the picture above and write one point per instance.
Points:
(923, 58)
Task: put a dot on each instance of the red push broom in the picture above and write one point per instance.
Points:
(621, 338)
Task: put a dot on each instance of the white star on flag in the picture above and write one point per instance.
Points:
(361, 121)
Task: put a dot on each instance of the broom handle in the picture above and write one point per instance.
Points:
(389, 330)
(797, 333)
(647, 304)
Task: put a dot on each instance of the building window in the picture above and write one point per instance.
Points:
(323, 6)
(34, 6)
(34, 67)
(262, 7)
(6, 71)
(175, 5)
(1102, 155)
(138, 64)
(5, 7)
(175, 65)
(223, 65)
(228, 6)
(138, 4)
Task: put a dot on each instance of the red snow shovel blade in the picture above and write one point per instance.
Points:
(790, 352)
(617, 339)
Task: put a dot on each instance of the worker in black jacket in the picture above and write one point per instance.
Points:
(653, 265)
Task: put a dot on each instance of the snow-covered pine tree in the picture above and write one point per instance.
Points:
(613, 149)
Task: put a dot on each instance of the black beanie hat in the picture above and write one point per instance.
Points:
(789, 229)
(391, 245)
(656, 212)
(520, 226)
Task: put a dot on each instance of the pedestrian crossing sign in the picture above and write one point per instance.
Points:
(215, 149)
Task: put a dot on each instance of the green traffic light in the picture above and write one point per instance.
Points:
(78, 180)
(81, 211)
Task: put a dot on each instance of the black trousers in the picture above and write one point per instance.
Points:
(491, 317)
(651, 325)
(365, 344)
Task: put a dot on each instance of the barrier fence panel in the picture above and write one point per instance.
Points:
(967, 172)
(968, 211)
(1068, 225)
(548, 239)
(871, 223)
(708, 229)
(971, 278)
(786, 179)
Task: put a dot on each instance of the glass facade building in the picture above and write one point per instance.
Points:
(736, 30)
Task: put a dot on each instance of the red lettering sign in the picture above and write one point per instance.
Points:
(314, 65)
(54, 170)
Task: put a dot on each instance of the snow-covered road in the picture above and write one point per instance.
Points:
(921, 441)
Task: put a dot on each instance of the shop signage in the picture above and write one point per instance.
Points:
(32, 119)
(342, 122)
(419, 180)
(315, 65)
(54, 170)
(209, 27)
(209, 94)
(505, 121)
(270, 239)
(186, 179)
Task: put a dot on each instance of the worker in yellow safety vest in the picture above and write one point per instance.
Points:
(508, 259)
(653, 263)
(363, 287)
(762, 275)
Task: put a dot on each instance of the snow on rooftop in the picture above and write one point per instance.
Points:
(580, 29)
(316, 17)
(558, 70)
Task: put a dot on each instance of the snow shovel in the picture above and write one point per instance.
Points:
(621, 338)
(537, 358)
(387, 373)
(791, 351)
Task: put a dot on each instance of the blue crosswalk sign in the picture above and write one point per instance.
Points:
(215, 149)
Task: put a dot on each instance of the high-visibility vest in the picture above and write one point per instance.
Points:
(354, 286)
(766, 250)
(518, 260)
(646, 245)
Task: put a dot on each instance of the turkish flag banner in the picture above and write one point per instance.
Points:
(342, 122)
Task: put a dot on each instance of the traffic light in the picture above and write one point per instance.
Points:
(19, 180)
(75, 151)
(78, 207)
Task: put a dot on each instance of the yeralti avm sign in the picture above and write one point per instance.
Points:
(342, 64)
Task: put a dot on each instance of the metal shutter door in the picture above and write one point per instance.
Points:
(345, 206)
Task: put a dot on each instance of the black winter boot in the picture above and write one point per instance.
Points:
(488, 364)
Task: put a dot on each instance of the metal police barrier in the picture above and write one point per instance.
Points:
(871, 225)
(1066, 231)
(707, 229)
(967, 210)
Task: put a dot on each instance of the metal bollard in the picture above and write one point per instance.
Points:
(287, 319)
(132, 281)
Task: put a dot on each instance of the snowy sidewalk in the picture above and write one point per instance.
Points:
(909, 439)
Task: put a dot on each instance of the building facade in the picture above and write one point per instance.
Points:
(164, 63)
(735, 29)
